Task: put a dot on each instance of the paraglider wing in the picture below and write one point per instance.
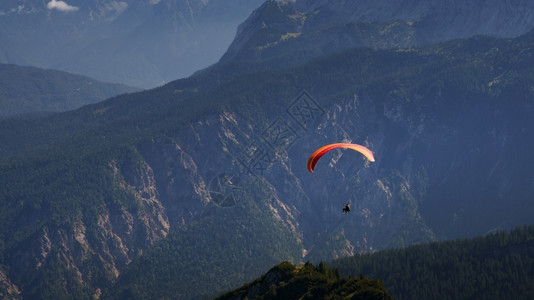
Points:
(314, 158)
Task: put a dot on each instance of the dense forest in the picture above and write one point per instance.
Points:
(496, 266)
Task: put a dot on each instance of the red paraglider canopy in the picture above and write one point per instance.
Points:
(314, 158)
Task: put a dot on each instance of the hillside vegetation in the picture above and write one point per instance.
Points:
(30, 90)
(496, 266)
(286, 281)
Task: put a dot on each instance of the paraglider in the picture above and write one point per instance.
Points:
(346, 209)
(314, 158)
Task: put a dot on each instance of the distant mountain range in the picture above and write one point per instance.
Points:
(200, 185)
(139, 43)
(26, 91)
(151, 42)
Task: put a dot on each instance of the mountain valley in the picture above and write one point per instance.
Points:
(200, 185)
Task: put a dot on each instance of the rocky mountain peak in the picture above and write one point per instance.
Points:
(412, 22)
(270, 15)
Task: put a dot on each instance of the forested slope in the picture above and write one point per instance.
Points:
(496, 266)
(30, 90)
(286, 281)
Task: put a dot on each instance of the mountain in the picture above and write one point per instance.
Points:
(197, 186)
(30, 90)
(495, 266)
(442, 140)
(286, 281)
(159, 186)
(304, 29)
(139, 43)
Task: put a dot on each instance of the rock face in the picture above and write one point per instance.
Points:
(217, 161)
(105, 242)
(7, 289)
